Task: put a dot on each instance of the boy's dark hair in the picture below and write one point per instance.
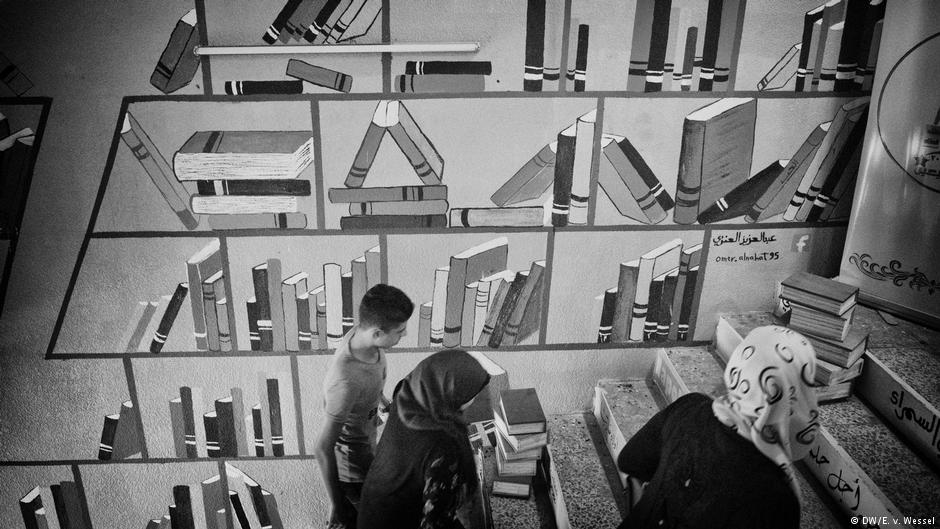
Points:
(385, 307)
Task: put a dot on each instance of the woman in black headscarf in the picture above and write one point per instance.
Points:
(423, 474)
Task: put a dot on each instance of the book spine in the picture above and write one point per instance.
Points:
(831, 53)
(346, 282)
(333, 290)
(439, 304)
(690, 257)
(254, 336)
(440, 83)
(372, 222)
(371, 141)
(320, 28)
(184, 508)
(847, 65)
(278, 331)
(238, 421)
(189, 408)
(273, 32)
(288, 299)
(689, 184)
(809, 19)
(139, 321)
(530, 291)
(579, 74)
(347, 16)
(534, 45)
(406, 207)
(564, 168)
(239, 516)
(257, 430)
(874, 13)
(388, 194)
(581, 169)
(319, 76)
(652, 314)
(623, 309)
(873, 56)
(300, 188)
(640, 46)
(506, 310)
(270, 502)
(627, 190)
(659, 36)
(493, 311)
(178, 63)
(209, 309)
(259, 276)
(360, 284)
(126, 439)
(417, 147)
(244, 205)
(277, 430)
(530, 181)
(158, 170)
(247, 88)
(448, 67)
(225, 426)
(74, 505)
(424, 323)
(651, 186)
(480, 305)
(552, 45)
(607, 316)
(516, 216)
(210, 421)
(373, 266)
(686, 311)
(688, 58)
(322, 329)
(664, 320)
(61, 508)
(725, 49)
(841, 167)
(672, 65)
(710, 46)
(304, 332)
(106, 445)
(169, 316)
(742, 198)
(833, 13)
(363, 22)
(254, 221)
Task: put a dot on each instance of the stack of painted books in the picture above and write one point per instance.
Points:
(521, 434)
(822, 310)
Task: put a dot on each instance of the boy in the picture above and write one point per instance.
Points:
(352, 394)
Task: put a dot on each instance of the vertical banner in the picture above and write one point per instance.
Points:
(892, 248)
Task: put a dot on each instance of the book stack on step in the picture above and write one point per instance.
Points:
(247, 179)
(415, 206)
(822, 310)
(54, 506)
(521, 434)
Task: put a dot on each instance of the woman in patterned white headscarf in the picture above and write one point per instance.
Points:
(728, 462)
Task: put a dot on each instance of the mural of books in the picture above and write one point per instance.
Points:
(294, 22)
(21, 126)
(55, 505)
(641, 288)
(780, 168)
(462, 289)
(211, 166)
(217, 408)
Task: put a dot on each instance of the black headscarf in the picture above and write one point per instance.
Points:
(430, 397)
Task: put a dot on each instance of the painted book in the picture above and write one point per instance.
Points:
(178, 62)
(243, 155)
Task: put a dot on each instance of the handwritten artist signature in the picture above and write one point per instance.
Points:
(743, 240)
(907, 413)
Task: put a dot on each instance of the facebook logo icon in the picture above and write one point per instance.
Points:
(800, 242)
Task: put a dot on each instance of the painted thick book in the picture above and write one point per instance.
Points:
(243, 155)
(159, 171)
(630, 183)
(530, 181)
(522, 411)
(496, 217)
(372, 222)
(466, 267)
(387, 194)
(178, 62)
(822, 294)
(715, 157)
(297, 187)
(320, 76)
(402, 207)
(440, 83)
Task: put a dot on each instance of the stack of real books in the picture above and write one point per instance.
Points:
(520, 436)
(414, 206)
(822, 309)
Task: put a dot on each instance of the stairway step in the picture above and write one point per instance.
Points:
(621, 408)
(900, 474)
(900, 333)
(586, 490)
(516, 513)
(702, 373)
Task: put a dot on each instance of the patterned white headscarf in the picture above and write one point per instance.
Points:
(771, 399)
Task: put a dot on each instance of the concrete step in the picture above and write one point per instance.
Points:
(621, 408)
(580, 481)
(701, 372)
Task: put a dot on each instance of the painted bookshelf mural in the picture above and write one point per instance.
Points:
(583, 208)
(22, 122)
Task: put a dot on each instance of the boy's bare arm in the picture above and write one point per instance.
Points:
(326, 458)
